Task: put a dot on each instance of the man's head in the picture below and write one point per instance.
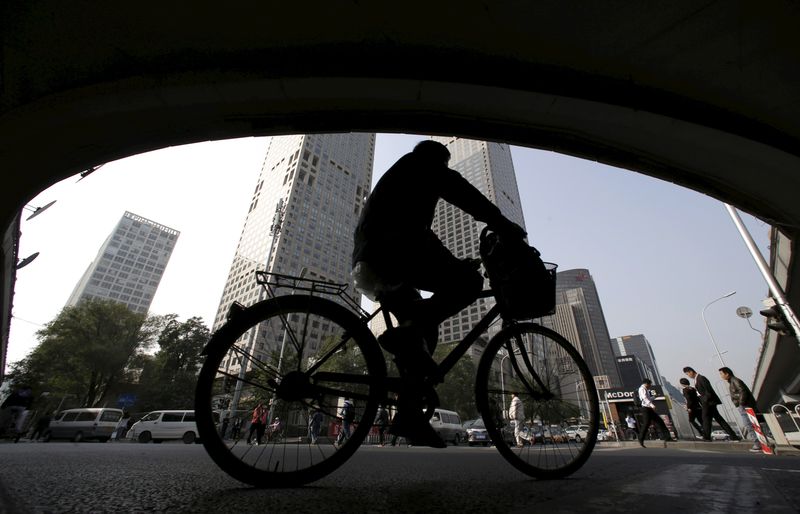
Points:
(684, 381)
(647, 383)
(725, 373)
(433, 150)
(689, 372)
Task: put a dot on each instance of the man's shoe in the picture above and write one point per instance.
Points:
(665, 443)
(642, 444)
(756, 448)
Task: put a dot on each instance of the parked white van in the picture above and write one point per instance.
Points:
(448, 425)
(161, 425)
(82, 424)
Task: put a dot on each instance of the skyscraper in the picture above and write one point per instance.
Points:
(489, 167)
(129, 265)
(317, 184)
(579, 317)
(639, 346)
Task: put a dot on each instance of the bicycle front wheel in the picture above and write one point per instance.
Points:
(300, 356)
(557, 391)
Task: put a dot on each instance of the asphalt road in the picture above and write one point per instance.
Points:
(130, 477)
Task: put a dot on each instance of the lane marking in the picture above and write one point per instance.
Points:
(781, 470)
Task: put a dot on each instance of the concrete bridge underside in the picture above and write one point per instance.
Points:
(705, 95)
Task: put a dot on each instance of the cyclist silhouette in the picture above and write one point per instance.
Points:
(396, 255)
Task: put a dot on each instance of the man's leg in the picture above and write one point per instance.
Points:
(707, 416)
(662, 427)
(645, 425)
(724, 425)
(694, 418)
(455, 284)
(749, 433)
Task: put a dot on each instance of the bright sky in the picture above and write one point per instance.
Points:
(658, 253)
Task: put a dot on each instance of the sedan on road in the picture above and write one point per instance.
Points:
(720, 435)
(476, 433)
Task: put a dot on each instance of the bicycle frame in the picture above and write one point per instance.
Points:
(392, 384)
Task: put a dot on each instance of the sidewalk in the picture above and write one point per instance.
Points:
(721, 446)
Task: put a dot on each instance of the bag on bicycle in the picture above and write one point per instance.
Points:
(524, 285)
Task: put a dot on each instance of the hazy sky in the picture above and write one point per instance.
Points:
(658, 253)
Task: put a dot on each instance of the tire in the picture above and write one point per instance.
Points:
(77, 438)
(144, 437)
(320, 328)
(555, 386)
(188, 438)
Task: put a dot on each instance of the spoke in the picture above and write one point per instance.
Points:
(330, 353)
(245, 381)
(256, 363)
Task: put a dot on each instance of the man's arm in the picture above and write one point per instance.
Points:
(458, 191)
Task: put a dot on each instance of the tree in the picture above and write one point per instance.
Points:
(169, 378)
(458, 390)
(85, 350)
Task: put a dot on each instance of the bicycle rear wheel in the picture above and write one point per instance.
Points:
(322, 354)
(556, 390)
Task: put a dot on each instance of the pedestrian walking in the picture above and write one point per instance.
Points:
(742, 398)
(347, 415)
(122, 427)
(516, 414)
(236, 428)
(41, 426)
(258, 423)
(649, 414)
(314, 424)
(631, 432)
(382, 422)
(693, 407)
(224, 429)
(709, 402)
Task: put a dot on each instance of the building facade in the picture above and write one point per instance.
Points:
(129, 264)
(639, 346)
(632, 370)
(579, 317)
(489, 167)
(301, 220)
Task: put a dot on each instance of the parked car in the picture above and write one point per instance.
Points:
(577, 433)
(476, 433)
(720, 435)
(448, 425)
(161, 425)
(82, 424)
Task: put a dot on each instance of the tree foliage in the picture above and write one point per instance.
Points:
(86, 351)
(169, 377)
(457, 393)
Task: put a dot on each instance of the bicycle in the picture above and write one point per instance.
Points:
(332, 355)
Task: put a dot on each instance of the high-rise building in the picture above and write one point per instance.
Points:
(633, 370)
(129, 265)
(639, 346)
(579, 317)
(301, 219)
(489, 167)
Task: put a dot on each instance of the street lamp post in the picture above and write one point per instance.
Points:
(745, 313)
(716, 348)
(244, 360)
(710, 335)
(502, 383)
